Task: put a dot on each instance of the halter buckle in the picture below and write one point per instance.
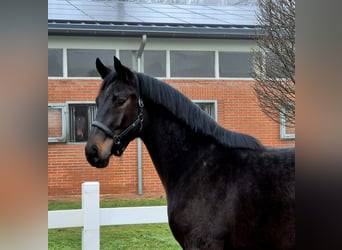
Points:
(140, 103)
(117, 141)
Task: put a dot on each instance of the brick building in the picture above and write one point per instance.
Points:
(203, 51)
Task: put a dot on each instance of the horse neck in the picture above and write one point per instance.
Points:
(171, 144)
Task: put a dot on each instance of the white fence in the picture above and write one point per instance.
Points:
(91, 216)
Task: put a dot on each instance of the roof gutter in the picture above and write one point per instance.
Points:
(151, 30)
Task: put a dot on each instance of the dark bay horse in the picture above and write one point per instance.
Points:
(225, 190)
(81, 127)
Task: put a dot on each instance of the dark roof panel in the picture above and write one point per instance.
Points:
(108, 17)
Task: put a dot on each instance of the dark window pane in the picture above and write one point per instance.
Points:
(155, 63)
(208, 107)
(55, 62)
(274, 68)
(81, 117)
(81, 62)
(127, 58)
(235, 64)
(192, 64)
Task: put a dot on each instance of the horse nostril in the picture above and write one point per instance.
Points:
(92, 153)
(95, 151)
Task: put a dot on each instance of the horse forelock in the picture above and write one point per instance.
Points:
(184, 109)
(109, 79)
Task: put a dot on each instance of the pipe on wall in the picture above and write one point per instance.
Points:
(139, 150)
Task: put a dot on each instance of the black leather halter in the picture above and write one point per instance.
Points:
(117, 138)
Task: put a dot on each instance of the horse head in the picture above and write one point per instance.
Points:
(80, 127)
(119, 114)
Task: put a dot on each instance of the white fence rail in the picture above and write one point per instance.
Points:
(91, 216)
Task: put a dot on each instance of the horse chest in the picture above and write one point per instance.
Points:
(197, 220)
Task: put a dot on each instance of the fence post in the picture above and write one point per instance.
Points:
(91, 216)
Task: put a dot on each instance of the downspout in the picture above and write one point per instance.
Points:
(139, 148)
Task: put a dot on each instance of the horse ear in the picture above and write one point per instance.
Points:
(123, 72)
(119, 68)
(103, 70)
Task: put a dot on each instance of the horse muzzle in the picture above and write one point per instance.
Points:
(94, 156)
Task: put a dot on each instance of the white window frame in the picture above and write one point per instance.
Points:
(283, 131)
(161, 44)
(63, 108)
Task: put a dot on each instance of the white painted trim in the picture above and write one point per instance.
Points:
(168, 63)
(133, 215)
(91, 215)
(129, 43)
(80, 102)
(283, 134)
(65, 218)
(65, 63)
(217, 64)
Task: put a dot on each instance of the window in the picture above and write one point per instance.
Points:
(81, 62)
(80, 118)
(127, 58)
(192, 63)
(55, 63)
(155, 63)
(208, 106)
(286, 130)
(273, 66)
(158, 63)
(56, 122)
(235, 64)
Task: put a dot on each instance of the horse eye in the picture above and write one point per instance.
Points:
(120, 101)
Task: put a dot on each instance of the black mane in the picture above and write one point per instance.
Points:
(184, 109)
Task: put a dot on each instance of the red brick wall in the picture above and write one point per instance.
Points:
(68, 168)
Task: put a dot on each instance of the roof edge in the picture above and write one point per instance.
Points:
(86, 28)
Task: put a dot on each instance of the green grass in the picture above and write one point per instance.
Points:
(63, 205)
(124, 237)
